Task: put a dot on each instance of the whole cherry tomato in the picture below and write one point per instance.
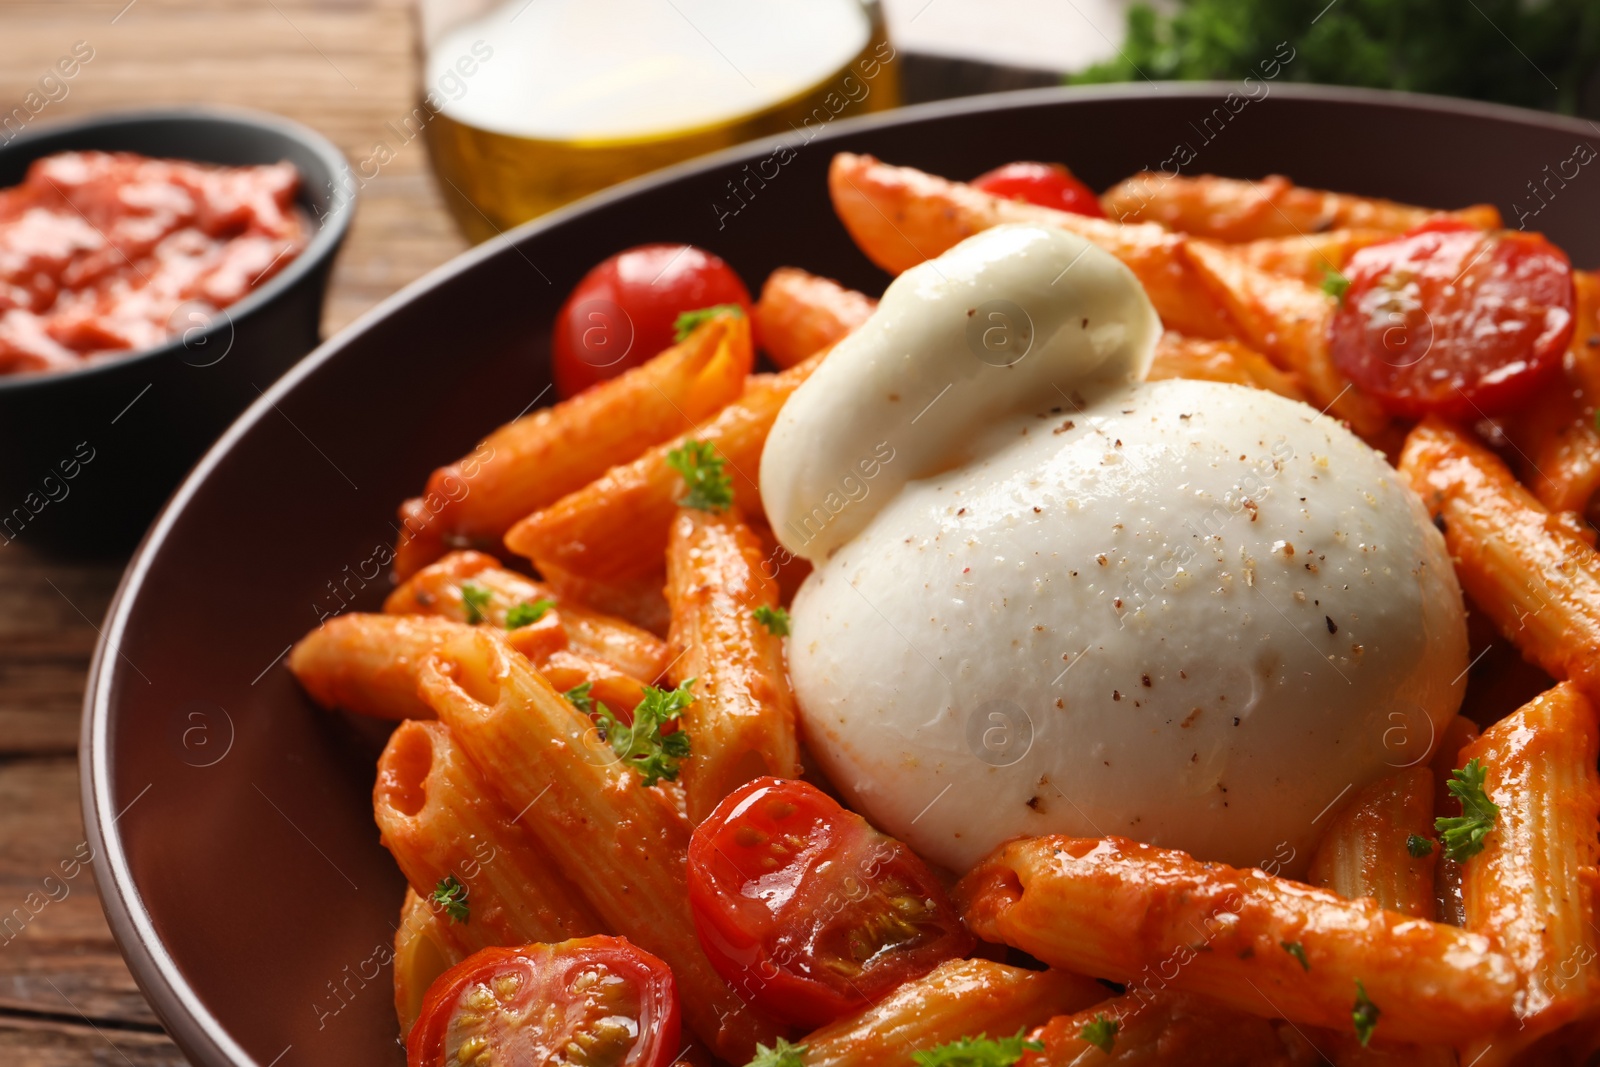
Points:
(806, 910)
(1452, 320)
(623, 310)
(535, 1004)
(1045, 184)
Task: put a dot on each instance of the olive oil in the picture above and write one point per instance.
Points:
(538, 102)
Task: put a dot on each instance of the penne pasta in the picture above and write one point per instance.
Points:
(440, 819)
(636, 600)
(1258, 944)
(900, 217)
(623, 845)
(615, 528)
(530, 462)
(1178, 356)
(1288, 320)
(1557, 441)
(800, 314)
(368, 663)
(1525, 569)
(1309, 257)
(1531, 888)
(742, 720)
(1235, 209)
(1154, 1028)
(1364, 853)
(424, 948)
(962, 998)
(1460, 733)
(436, 590)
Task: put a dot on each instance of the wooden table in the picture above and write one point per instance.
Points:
(346, 68)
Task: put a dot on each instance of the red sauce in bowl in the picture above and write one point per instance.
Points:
(102, 254)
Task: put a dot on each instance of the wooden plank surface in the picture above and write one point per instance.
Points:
(346, 68)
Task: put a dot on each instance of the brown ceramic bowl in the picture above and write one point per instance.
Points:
(231, 820)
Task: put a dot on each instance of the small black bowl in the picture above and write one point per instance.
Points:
(88, 456)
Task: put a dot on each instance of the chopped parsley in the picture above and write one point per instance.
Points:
(1335, 284)
(527, 613)
(782, 1054)
(1364, 1015)
(1298, 951)
(475, 598)
(977, 1051)
(643, 746)
(1419, 846)
(776, 620)
(578, 696)
(1463, 834)
(451, 896)
(690, 321)
(1101, 1032)
(709, 487)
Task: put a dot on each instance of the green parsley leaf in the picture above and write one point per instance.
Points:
(776, 620)
(1364, 1014)
(1419, 846)
(645, 748)
(1335, 284)
(709, 487)
(977, 1051)
(1101, 1033)
(1463, 834)
(689, 321)
(1597, 420)
(578, 696)
(475, 598)
(782, 1054)
(451, 895)
(1298, 951)
(526, 614)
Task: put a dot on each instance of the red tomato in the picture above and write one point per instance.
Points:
(808, 911)
(623, 310)
(529, 1005)
(1454, 321)
(1045, 184)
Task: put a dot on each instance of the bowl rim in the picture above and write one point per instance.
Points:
(330, 228)
(197, 1032)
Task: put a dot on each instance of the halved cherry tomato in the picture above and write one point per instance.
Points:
(1045, 184)
(808, 911)
(591, 1000)
(623, 310)
(1452, 320)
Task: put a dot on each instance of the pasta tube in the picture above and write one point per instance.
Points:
(1366, 850)
(437, 590)
(616, 527)
(1525, 569)
(623, 845)
(368, 663)
(1178, 356)
(424, 948)
(1257, 944)
(1232, 209)
(801, 314)
(530, 462)
(743, 719)
(1531, 888)
(961, 998)
(440, 820)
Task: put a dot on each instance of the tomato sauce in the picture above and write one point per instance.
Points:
(100, 251)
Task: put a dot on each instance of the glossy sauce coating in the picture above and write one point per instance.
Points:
(104, 253)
